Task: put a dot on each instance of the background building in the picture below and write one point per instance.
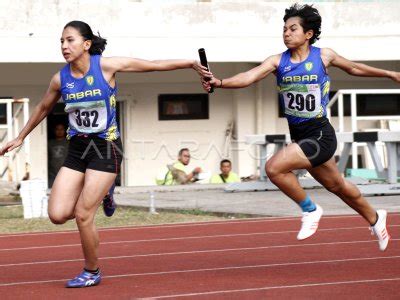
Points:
(237, 35)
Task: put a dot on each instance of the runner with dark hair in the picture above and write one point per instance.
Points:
(88, 88)
(303, 85)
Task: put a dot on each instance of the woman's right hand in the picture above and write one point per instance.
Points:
(207, 83)
(201, 70)
(11, 146)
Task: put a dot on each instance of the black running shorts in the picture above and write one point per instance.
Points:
(316, 138)
(92, 152)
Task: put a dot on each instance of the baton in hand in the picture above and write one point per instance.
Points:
(204, 63)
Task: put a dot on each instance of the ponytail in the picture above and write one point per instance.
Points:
(98, 43)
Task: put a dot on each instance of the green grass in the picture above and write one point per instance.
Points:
(12, 221)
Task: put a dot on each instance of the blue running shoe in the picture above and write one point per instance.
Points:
(109, 204)
(85, 279)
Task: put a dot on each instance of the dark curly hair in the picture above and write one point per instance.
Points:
(310, 19)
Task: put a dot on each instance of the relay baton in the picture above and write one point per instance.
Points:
(204, 63)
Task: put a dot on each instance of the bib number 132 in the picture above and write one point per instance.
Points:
(299, 102)
(86, 118)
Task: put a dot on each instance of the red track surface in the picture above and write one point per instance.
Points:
(243, 259)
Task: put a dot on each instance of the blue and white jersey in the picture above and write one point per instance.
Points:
(89, 102)
(303, 87)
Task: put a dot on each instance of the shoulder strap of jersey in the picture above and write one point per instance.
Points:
(64, 72)
(222, 177)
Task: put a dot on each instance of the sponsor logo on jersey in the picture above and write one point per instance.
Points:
(308, 66)
(309, 78)
(287, 68)
(89, 80)
(85, 94)
(70, 85)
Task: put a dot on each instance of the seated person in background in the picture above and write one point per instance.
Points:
(57, 149)
(226, 176)
(177, 172)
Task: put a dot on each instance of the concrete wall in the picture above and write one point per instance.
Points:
(240, 31)
(150, 144)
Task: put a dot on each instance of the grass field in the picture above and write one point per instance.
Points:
(12, 221)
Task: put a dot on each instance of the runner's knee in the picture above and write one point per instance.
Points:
(58, 218)
(272, 169)
(83, 216)
(336, 186)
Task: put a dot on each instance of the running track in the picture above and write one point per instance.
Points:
(238, 259)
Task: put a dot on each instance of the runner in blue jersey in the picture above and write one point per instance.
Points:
(91, 106)
(88, 88)
(303, 85)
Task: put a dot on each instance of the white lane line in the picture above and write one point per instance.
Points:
(174, 225)
(194, 252)
(276, 287)
(215, 269)
(181, 238)
(165, 225)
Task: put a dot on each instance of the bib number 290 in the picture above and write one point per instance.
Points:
(298, 102)
(87, 118)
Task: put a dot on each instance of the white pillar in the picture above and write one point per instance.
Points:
(244, 102)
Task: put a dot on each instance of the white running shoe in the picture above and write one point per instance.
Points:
(379, 229)
(309, 223)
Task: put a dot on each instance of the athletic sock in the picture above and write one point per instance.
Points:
(94, 272)
(307, 205)
(377, 217)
